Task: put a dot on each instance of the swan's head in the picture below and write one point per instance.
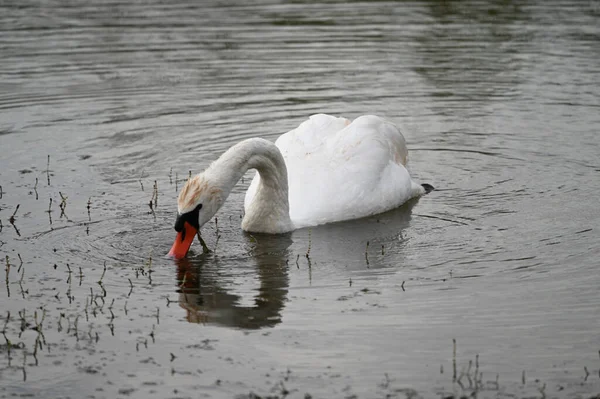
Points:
(198, 202)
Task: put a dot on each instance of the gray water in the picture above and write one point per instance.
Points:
(102, 101)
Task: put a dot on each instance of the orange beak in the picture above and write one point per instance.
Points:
(183, 242)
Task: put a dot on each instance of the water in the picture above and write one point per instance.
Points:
(498, 100)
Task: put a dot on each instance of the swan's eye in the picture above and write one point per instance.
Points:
(191, 217)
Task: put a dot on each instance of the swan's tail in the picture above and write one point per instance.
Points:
(420, 189)
(428, 188)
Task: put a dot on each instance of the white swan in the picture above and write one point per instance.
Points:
(326, 170)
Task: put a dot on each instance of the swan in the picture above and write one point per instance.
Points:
(326, 170)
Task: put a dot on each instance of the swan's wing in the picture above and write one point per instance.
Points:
(311, 136)
(357, 171)
(370, 132)
(339, 170)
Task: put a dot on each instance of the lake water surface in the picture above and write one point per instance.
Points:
(106, 106)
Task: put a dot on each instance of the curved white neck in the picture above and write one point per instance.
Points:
(269, 211)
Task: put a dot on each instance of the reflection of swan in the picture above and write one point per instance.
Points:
(206, 301)
(206, 287)
(341, 247)
(335, 170)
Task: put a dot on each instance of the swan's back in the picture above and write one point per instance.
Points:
(341, 170)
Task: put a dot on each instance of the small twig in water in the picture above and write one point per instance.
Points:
(103, 273)
(155, 194)
(454, 359)
(69, 271)
(50, 211)
(21, 284)
(205, 249)
(140, 180)
(20, 264)
(12, 218)
(89, 205)
(309, 244)
(62, 205)
(468, 374)
(476, 369)
(24, 362)
(149, 264)
(7, 273)
(48, 169)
